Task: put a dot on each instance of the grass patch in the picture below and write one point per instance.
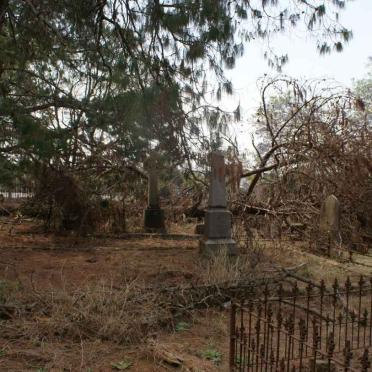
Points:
(122, 365)
(122, 315)
(212, 354)
(182, 326)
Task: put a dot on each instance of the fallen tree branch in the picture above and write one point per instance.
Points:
(252, 209)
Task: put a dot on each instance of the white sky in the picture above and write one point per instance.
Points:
(304, 62)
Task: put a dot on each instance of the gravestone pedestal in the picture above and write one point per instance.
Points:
(217, 223)
(217, 229)
(154, 220)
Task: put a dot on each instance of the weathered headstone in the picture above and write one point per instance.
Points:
(154, 220)
(217, 229)
(199, 229)
(329, 224)
(356, 239)
(330, 217)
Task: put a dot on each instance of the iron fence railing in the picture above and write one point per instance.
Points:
(303, 328)
(16, 194)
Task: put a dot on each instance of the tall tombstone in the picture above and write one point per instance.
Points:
(329, 224)
(154, 220)
(217, 229)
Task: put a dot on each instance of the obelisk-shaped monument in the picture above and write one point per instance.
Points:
(217, 230)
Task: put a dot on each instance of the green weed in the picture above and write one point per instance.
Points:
(122, 365)
(212, 354)
(182, 326)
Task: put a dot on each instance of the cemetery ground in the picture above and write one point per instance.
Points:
(109, 303)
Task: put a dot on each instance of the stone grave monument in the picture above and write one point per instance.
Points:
(329, 224)
(217, 228)
(154, 221)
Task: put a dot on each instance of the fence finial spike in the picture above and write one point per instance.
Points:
(348, 283)
(365, 363)
(348, 354)
(335, 284)
(361, 281)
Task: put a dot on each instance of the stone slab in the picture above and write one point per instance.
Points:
(154, 235)
(330, 217)
(199, 229)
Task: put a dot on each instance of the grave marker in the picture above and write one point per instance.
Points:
(154, 220)
(217, 229)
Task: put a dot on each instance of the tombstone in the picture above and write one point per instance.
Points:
(322, 365)
(329, 224)
(199, 229)
(356, 239)
(217, 228)
(154, 220)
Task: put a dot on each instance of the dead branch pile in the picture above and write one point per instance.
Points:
(315, 141)
(124, 315)
(65, 203)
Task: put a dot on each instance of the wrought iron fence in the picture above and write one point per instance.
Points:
(303, 328)
(16, 194)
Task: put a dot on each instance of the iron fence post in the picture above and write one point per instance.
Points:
(232, 337)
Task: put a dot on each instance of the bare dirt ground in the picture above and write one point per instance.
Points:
(35, 268)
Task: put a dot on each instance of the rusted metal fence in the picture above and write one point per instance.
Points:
(16, 194)
(297, 327)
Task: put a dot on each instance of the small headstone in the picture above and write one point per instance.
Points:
(330, 216)
(154, 219)
(329, 225)
(217, 228)
(322, 366)
(199, 229)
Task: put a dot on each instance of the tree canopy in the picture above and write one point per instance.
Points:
(95, 84)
